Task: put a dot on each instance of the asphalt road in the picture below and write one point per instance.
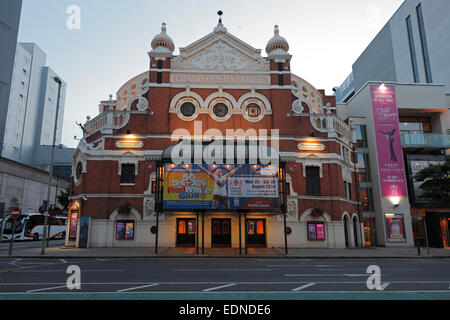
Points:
(183, 276)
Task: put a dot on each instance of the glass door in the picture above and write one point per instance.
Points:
(186, 229)
(221, 232)
(256, 232)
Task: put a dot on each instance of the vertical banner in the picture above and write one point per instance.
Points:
(388, 141)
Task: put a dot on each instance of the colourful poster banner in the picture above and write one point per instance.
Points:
(220, 187)
(395, 226)
(388, 141)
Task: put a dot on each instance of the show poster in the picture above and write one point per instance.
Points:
(388, 141)
(395, 227)
(220, 187)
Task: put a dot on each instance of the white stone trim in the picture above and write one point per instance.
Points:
(116, 216)
(312, 164)
(306, 216)
(128, 161)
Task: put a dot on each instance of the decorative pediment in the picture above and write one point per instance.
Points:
(220, 52)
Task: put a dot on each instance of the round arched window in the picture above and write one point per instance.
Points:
(220, 110)
(187, 109)
(78, 171)
(253, 110)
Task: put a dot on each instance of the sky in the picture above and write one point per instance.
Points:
(114, 36)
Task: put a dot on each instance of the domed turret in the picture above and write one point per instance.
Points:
(277, 45)
(162, 42)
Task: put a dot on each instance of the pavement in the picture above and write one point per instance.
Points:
(60, 251)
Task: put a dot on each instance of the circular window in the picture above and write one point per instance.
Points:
(187, 109)
(220, 110)
(253, 110)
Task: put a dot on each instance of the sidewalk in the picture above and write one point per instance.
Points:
(370, 252)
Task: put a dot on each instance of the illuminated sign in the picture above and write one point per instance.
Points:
(395, 227)
(220, 187)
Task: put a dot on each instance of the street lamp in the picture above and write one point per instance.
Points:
(50, 171)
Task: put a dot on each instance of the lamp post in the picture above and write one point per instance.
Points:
(50, 173)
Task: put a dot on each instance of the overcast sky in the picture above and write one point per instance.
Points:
(325, 38)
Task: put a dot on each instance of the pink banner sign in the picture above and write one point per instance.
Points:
(388, 141)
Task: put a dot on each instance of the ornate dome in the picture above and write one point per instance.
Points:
(278, 44)
(163, 41)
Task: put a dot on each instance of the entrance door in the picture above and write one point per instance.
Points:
(256, 232)
(445, 234)
(186, 232)
(221, 232)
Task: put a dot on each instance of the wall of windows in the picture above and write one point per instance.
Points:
(365, 195)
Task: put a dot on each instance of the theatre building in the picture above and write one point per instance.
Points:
(181, 157)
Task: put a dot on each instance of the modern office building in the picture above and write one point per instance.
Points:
(413, 47)
(9, 27)
(216, 147)
(31, 111)
(420, 115)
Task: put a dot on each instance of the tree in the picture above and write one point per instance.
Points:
(63, 198)
(436, 183)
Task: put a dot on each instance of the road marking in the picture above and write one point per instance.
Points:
(45, 289)
(356, 275)
(140, 287)
(317, 275)
(99, 259)
(301, 265)
(304, 286)
(65, 270)
(220, 270)
(384, 286)
(17, 260)
(63, 261)
(328, 265)
(219, 287)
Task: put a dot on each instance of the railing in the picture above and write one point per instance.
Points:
(110, 119)
(431, 140)
(331, 124)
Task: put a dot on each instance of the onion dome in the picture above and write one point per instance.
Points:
(162, 42)
(277, 45)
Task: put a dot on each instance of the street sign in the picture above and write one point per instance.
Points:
(15, 213)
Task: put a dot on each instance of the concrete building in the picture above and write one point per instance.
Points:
(128, 183)
(9, 27)
(26, 187)
(32, 105)
(423, 119)
(413, 47)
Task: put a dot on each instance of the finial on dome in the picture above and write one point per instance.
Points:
(220, 13)
(276, 30)
(162, 41)
(277, 45)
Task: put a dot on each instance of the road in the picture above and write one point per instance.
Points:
(200, 277)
